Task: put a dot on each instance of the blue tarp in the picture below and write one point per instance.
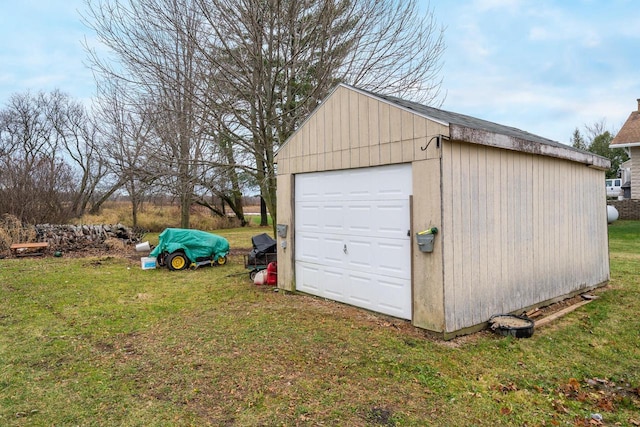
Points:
(195, 244)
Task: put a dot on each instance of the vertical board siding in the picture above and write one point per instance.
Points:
(352, 130)
(285, 212)
(635, 172)
(518, 230)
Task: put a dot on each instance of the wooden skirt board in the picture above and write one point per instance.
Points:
(352, 241)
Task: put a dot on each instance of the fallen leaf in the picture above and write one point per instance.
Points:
(505, 411)
(606, 404)
(559, 407)
(505, 388)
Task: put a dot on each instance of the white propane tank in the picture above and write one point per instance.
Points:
(612, 214)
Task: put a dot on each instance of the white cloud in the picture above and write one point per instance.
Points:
(546, 67)
(474, 44)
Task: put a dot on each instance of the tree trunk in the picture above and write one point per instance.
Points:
(185, 210)
(95, 208)
(264, 221)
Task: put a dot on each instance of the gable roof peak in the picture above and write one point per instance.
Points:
(629, 134)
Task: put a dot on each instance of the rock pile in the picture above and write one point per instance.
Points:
(68, 237)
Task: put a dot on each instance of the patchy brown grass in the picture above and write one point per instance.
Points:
(156, 218)
(97, 341)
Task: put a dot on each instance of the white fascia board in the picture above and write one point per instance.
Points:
(491, 139)
(625, 145)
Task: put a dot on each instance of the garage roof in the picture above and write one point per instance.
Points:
(478, 131)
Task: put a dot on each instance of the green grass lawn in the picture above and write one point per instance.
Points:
(100, 342)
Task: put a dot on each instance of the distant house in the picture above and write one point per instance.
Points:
(625, 174)
(629, 138)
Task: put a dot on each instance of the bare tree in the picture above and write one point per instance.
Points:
(36, 184)
(153, 42)
(128, 134)
(78, 136)
(246, 72)
(598, 140)
(273, 61)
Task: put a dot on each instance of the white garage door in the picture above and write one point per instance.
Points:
(352, 237)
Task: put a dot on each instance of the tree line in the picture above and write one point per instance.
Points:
(194, 97)
(597, 139)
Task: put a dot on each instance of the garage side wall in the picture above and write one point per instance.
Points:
(518, 229)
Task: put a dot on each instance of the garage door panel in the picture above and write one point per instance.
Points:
(332, 218)
(332, 281)
(309, 248)
(388, 224)
(392, 261)
(333, 253)
(359, 254)
(312, 190)
(359, 187)
(333, 194)
(308, 278)
(366, 212)
(393, 298)
(309, 217)
(357, 218)
(361, 291)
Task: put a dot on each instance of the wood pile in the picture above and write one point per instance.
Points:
(67, 237)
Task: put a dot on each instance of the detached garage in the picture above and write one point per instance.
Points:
(435, 217)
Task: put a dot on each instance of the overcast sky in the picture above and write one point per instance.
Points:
(544, 66)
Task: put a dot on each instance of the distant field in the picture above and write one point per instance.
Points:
(156, 218)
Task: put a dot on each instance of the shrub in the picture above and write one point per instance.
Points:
(12, 231)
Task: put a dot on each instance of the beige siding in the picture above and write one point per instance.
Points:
(518, 229)
(353, 130)
(428, 288)
(285, 216)
(635, 172)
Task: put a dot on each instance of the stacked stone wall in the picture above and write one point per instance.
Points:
(627, 209)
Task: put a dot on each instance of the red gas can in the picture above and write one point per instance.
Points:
(272, 274)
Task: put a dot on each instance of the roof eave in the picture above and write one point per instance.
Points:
(492, 139)
(625, 144)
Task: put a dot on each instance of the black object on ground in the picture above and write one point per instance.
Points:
(510, 324)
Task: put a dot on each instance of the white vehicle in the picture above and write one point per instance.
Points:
(614, 187)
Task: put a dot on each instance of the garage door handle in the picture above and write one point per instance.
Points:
(345, 248)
